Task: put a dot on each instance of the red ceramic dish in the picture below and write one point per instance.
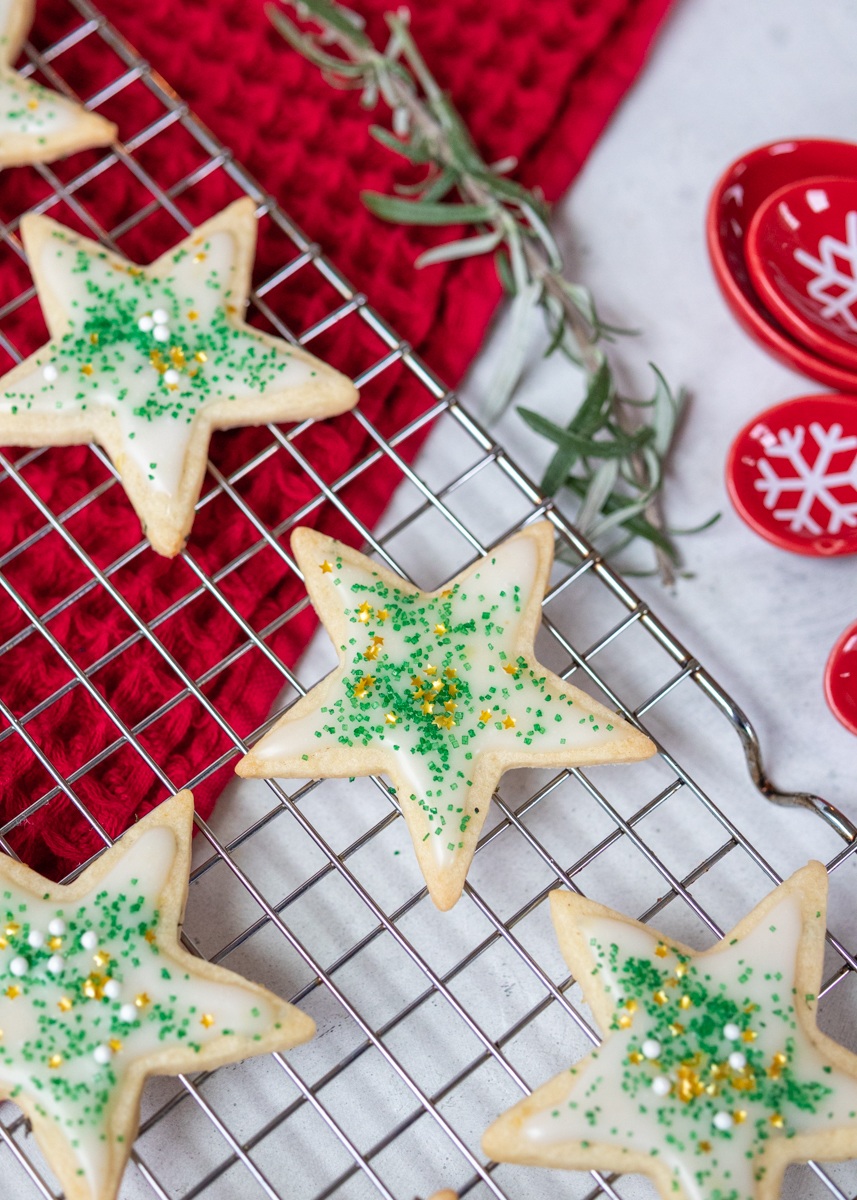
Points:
(801, 252)
(742, 188)
(792, 475)
(840, 679)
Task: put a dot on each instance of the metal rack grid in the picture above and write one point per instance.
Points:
(266, 1153)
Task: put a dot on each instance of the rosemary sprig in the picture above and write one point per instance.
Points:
(611, 455)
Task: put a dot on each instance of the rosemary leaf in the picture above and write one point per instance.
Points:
(419, 212)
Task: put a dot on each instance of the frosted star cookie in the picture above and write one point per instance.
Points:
(96, 994)
(441, 691)
(712, 1076)
(147, 361)
(38, 125)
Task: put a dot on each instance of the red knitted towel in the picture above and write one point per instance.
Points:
(535, 80)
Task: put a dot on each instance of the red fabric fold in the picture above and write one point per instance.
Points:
(536, 81)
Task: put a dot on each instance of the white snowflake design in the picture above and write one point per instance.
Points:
(808, 483)
(828, 275)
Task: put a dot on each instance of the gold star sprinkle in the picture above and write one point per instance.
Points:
(325, 567)
(3, 943)
(381, 614)
(705, 1147)
(371, 653)
(450, 705)
(444, 722)
(93, 337)
(192, 315)
(142, 1000)
(777, 1121)
(685, 1002)
(364, 612)
(510, 668)
(485, 716)
(427, 706)
(54, 943)
(378, 641)
(681, 970)
(55, 1061)
(661, 951)
(12, 991)
(101, 959)
(32, 104)
(749, 1035)
(635, 1057)
(430, 670)
(207, 1020)
(660, 997)
(11, 929)
(86, 369)
(416, 681)
(625, 1022)
(739, 1116)
(150, 936)
(509, 723)
(390, 718)
(448, 592)
(201, 257)
(63, 1004)
(201, 356)
(453, 690)
(115, 1045)
(777, 1063)
(676, 1029)
(437, 685)
(440, 630)
(631, 1006)
(450, 672)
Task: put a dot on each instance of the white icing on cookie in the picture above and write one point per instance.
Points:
(69, 1037)
(698, 1103)
(154, 376)
(436, 681)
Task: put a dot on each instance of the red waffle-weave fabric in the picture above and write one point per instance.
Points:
(538, 81)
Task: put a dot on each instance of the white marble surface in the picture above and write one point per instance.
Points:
(724, 77)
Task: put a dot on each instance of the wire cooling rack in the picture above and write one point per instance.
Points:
(429, 1024)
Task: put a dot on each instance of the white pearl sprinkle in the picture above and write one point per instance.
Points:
(19, 965)
(111, 989)
(102, 1054)
(160, 316)
(146, 324)
(128, 1013)
(171, 376)
(737, 1061)
(731, 1033)
(50, 372)
(89, 940)
(723, 1121)
(651, 1048)
(661, 1085)
(161, 333)
(56, 964)
(56, 927)
(35, 938)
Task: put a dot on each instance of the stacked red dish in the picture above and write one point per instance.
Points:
(778, 235)
(782, 235)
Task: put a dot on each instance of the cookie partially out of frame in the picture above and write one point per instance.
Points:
(441, 691)
(713, 1075)
(38, 125)
(96, 994)
(148, 361)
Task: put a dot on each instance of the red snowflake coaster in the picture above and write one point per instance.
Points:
(792, 475)
(840, 679)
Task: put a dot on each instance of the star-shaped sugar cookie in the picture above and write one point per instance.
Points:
(441, 691)
(96, 994)
(712, 1076)
(147, 361)
(37, 124)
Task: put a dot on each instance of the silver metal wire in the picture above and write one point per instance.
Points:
(361, 1166)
